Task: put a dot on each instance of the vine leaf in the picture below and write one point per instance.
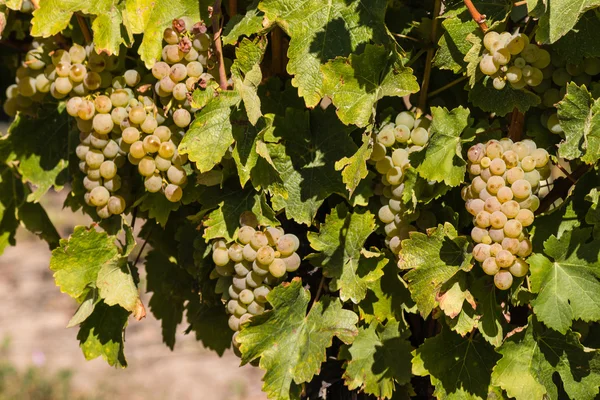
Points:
(579, 43)
(433, 260)
(567, 280)
(116, 286)
(579, 116)
(78, 260)
(441, 159)
(531, 358)
(171, 287)
(210, 322)
(560, 18)
(101, 334)
(251, 156)
(290, 343)
(501, 102)
(152, 17)
(244, 24)
(340, 244)
(379, 359)
(227, 204)
(356, 83)
(453, 45)
(460, 368)
(158, 207)
(354, 169)
(320, 33)
(309, 144)
(210, 135)
(53, 16)
(246, 74)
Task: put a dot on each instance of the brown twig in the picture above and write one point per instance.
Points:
(517, 122)
(567, 174)
(319, 290)
(217, 28)
(477, 16)
(448, 86)
(428, 61)
(276, 49)
(143, 246)
(561, 188)
(84, 28)
(232, 8)
(401, 36)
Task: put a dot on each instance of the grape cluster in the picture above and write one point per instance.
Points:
(402, 137)
(513, 59)
(502, 200)
(258, 260)
(61, 73)
(554, 87)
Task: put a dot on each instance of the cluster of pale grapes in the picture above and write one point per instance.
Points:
(512, 58)
(501, 198)
(554, 87)
(47, 70)
(401, 137)
(258, 260)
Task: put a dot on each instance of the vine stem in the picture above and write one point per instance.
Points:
(517, 122)
(520, 3)
(428, 61)
(477, 16)
(217, 29)
(232, 7)
(84, 28)
(276, 50)
(561, 188)
(319, 291)
(448, 86)
(143, 246)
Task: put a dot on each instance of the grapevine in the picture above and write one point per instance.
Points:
(366, 200)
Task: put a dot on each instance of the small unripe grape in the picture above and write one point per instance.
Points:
(489, 266)
(503, 280)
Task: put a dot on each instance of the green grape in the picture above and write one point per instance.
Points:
(481, 252)
(386, 136)
(194, 69)
(501, 57)
(173, 193)
(510, 244)
(288, 244)
(246, 296)
(490, 40)
(180, 92)
(113, 184)
(220, 256)
(242, 268)
(378, 152)
(174, 54)
(255, 308)
(273, 235)
(234, 323)
(394, 175)
(176, 175)
(118, 114)
(525, 248)
(384, 165)
(480, 235)
(498, 219)
(99, 141)
(94, 158)
(504, 194)
(130, 135)
(489, 266)
(90, 184)
(504, 258)
(561, 77)
(103, 212)
(517, 44)
(93, 174)
(514, 174)
(233, 293)
(137, 114)
(116, 205)
(235, 253)
(419, 136)
(92, 80)
(146, 167)
(401, 133)
(497, 166)
(530, 53)
(259, 269)
(277, 268)
(487, 65)
(514, 74)
(182, 117)
(86, 110)
(160, 70)
(259, 240)
(592, 66)
(77, 73)
(503, 280)
(492, 204)
(543, 59)
(260, 293)
(178, 73)
(525, 217)
(249, 253)
(494, 184)
(81, 151)
(163, 133)
(62, 85)
(521, 189)
(519, 268)
(108, 169)
(152, 182)
(265, 255)
(474, 206)
(103, 123)
(77, 53)
(499, 83)
(149, 125)
(385, 214)
(292, 262)
(513, 228)
(137, 150)
(554, 124)
(151, 144)
(99, 196)
(405, 118)
(575, 69)
(162, 164)
(245, 234)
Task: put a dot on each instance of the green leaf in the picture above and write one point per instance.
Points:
(11, 197)
(340, 244)
(441, 159)
(85, 309)
(116, 286)
(354, 169)
(53, 16)
(567, 280)
(501, 102)
(171, 286)
(379, 359)
(36, 220)
(247, 76)
(229, 203)
(433, 260)
(355, 84)
(453, 45)
(250, 152)
(158, 207)
(490, 319)
(460, 368)
(210, 135)
(244, 24)
(580, 42)
(579, 116)
(419, 190)
(319, 33)
(560, 18)
(210, 322)
(101, 334)
(311, 143)
(290, 343)
(531, 359)
(41, 147)
(156, 16)
(78, 260)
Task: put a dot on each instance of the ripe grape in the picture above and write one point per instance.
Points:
(503, 280)
(173, 193)
(488, 65)
(277, 268)
(489, 266)
(513, 228)
(519, 268)
(99, 196)
(116, 205)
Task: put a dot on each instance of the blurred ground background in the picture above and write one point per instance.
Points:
(40, 359)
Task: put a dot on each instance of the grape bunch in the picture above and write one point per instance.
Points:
(501, 198)
(402, 137)
(258, 260)
(513, 59)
